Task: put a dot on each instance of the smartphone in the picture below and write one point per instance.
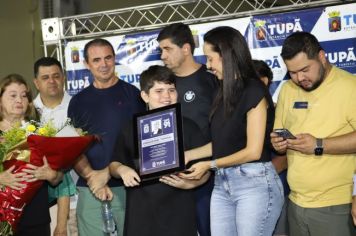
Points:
(285, 133)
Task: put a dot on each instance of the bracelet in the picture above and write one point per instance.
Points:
(213, 165)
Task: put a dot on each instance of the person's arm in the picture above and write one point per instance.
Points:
(96, 179)
(306, 143)
(44, 172)
(178, 182)
(343, 144)
(122, 158)
(256, 126)
(280, 163)
(198, 153)
(12, 180)
(82, 167)
(62, 216)
(127, 174)
(279, 144)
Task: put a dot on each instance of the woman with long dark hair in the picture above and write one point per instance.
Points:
(248, 196)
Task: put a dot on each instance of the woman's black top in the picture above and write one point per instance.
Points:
(229, 134)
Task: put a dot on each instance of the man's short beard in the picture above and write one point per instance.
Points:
(322, 73)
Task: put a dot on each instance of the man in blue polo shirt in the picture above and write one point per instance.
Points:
(102, 108)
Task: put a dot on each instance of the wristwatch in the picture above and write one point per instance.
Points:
(318, 151)
(213, 165)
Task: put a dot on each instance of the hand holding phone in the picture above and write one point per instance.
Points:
(284, 133)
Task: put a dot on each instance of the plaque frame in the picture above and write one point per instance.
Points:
(154, 154)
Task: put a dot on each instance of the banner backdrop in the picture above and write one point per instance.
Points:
(335, 28)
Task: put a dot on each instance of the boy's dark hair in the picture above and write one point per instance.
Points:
(97, 42)
(154, 74)
(179, 34)
(263, 70)
(46, 61)
(300, 42)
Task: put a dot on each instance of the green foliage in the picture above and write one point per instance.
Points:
(18, 133)
(5, 228)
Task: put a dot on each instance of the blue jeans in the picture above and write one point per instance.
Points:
(247, 200)
(203, 197)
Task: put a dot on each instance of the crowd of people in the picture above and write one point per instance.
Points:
(242, 178)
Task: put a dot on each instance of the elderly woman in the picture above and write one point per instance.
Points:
(16, 106)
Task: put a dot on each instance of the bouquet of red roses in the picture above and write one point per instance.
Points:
(60, 152)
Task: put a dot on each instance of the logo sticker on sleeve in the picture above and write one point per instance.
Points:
(189, 96)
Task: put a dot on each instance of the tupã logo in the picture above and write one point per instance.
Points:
(75, 54)
(334, 21)
(260, 30)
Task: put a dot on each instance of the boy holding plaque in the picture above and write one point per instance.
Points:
(156, 207)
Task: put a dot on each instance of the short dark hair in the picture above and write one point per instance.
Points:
(263, 70)
(300, 42)
(156, 73)
(179, 34)
(97, 42)
(46, 61)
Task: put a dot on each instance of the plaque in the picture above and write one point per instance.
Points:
(159, 141)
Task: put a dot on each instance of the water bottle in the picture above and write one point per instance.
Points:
(108, 219)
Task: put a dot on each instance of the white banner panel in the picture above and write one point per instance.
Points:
(335, 27)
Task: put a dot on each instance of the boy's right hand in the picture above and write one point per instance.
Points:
(129, 176)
